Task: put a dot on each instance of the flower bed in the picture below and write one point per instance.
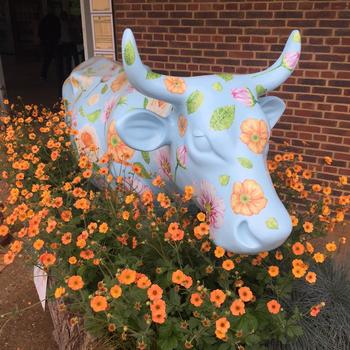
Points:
(141, 269)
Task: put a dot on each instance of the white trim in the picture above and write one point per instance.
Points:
(86, 28)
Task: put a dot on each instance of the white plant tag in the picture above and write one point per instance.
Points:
(40, 281)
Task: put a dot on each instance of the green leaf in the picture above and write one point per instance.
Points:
(224, 346)
(92, 117)
(144, 173)
(129, 53)
(194, 101)
(245, 162)
(152, 75)
(217, 86)
(296, 37)
(122, 101)
(225, 76)
(222, 118)
(260, 90)
(271, 223)
(224, 180)
(145, 156)
(145, 102)
(104, 89)
(167, 343)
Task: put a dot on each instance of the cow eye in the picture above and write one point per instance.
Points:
(202, 143)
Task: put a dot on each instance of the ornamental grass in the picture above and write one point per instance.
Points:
(140, 268)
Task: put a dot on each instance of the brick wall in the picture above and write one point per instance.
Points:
(200, 37)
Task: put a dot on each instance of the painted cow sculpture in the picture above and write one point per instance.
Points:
(210, 132)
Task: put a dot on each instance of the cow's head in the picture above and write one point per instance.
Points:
(218, 133)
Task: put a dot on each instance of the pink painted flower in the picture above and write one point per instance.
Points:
(211, 204)
(134, 184)
(290, 60)
(244, 96)
(108, 108)
(163, 161)
(181, 156)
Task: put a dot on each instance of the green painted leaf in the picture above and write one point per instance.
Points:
(217, 86)
(145, 156)
(296, 37)
(122, 101)
(194, 101)
(104, 89)
(144, 173)
(152, 75)
(222, 118)
(129, 53)
(260, 90)
(271, 223)
(224, 180)
(92, 117)
(225, 76)
(145, 102)
(245, 162)
(81, 111)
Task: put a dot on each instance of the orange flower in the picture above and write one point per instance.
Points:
(66, 215)
(237, 307)
(254, 133)
(228, 265)
(298, 271)
(308, 227)
(219, 252)
(59, 292)
(316, 188)
(273, 271)
(177, 277)
(9, 257)
(217, 297)
(295, 220)
(75, 282)
(158, 317)
(278, 255)
(187, 282)
(319, 257)
(247, 198)
(143, 282)
(273, 306)
(222, 324)
(154, 292)
(115, 291)
(98, 303)
(158, 306)
(298, 248)
(182, 125)
(175, 85)
(66, 238)
(127, 276)
(119, 82)
(328, 160)
(178, 235)
(311, 277)
(309, 247)
(72, 260)
(125, 215)
(38, 244)
(245, 294)
(343, 180)
(47, 259)
(196, 299)
(331, 246)
(103, 228)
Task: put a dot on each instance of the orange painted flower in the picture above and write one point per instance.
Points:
(98, 303)
(127, 276)
(115, 291)
(75, 282)
(182, 125)
(298, 248)
(308, 227)
(237, 307)
(273, 306)
(154, 292)
(245, 294)
(254, 133)
(247, 198)
(217, 297)
(273, 271)
(175, 85)
(228, 265)
(177, 277)
(119, 82)
(196, 299)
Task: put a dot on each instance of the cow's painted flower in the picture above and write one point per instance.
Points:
(163, 162)
(290, 60)
(159, 107)
(211, 204)
(119, 151)
(244, 95)
(119, 82)
(108, 108)
(181, 156)
(254, 133)
(87, 142)
(182, 125)
(175, 85)
(247, 198)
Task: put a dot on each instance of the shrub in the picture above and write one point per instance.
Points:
(140, 267)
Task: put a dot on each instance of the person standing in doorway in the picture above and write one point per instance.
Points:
(49, 34)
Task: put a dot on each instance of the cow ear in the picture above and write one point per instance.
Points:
(143, 130)
(273, 108)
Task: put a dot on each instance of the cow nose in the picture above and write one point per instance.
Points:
(247, 238)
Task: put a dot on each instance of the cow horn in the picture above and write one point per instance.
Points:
(280, 71)
(141, 77)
